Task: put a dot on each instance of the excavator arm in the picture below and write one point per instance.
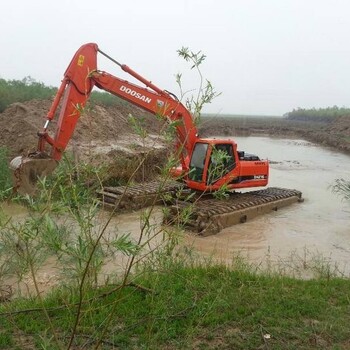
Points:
(74, 92)
(80, 78)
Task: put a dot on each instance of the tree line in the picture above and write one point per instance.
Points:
(318, 114)
(29, 89)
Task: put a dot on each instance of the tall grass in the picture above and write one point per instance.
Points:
(23, 90)
(179, 304)
(318, 114)
(28, 89)
(5, 175)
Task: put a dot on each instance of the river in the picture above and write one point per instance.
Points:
(298, 239)
(316, 231)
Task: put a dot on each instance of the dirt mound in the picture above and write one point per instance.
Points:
(19, 125)
(102, 135)
(21, 121)
(341, 126)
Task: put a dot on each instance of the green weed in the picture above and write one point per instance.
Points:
(342, 188)
(5, 175)
(28, 89)
(174, 305)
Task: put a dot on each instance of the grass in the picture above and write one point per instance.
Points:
(194, 307)
(5, 175)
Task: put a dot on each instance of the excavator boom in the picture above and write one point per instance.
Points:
(197, 156)
(79, 79)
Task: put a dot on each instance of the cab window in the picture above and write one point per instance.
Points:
(198, 161)
(221, 162)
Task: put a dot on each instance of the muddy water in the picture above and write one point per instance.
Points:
(51, 271)
(317, 229)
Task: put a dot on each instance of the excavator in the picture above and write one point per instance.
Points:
(206, 164)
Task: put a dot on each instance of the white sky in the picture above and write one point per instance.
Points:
(265, 56)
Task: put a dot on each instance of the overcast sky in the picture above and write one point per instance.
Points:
(265, 56)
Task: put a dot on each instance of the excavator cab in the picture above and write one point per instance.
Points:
(215, 163)
(219, 159)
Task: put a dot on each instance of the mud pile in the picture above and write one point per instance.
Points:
(103, 135)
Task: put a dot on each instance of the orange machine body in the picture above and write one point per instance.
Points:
(197, 156)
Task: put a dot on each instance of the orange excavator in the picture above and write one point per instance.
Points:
(206, 164)
(196, 155)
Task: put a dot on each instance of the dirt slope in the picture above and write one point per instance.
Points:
(102, 135)
(20, 122)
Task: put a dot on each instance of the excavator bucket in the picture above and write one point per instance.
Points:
(27, 171)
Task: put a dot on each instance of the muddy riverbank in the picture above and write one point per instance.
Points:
(334, 133)
(106, 133)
